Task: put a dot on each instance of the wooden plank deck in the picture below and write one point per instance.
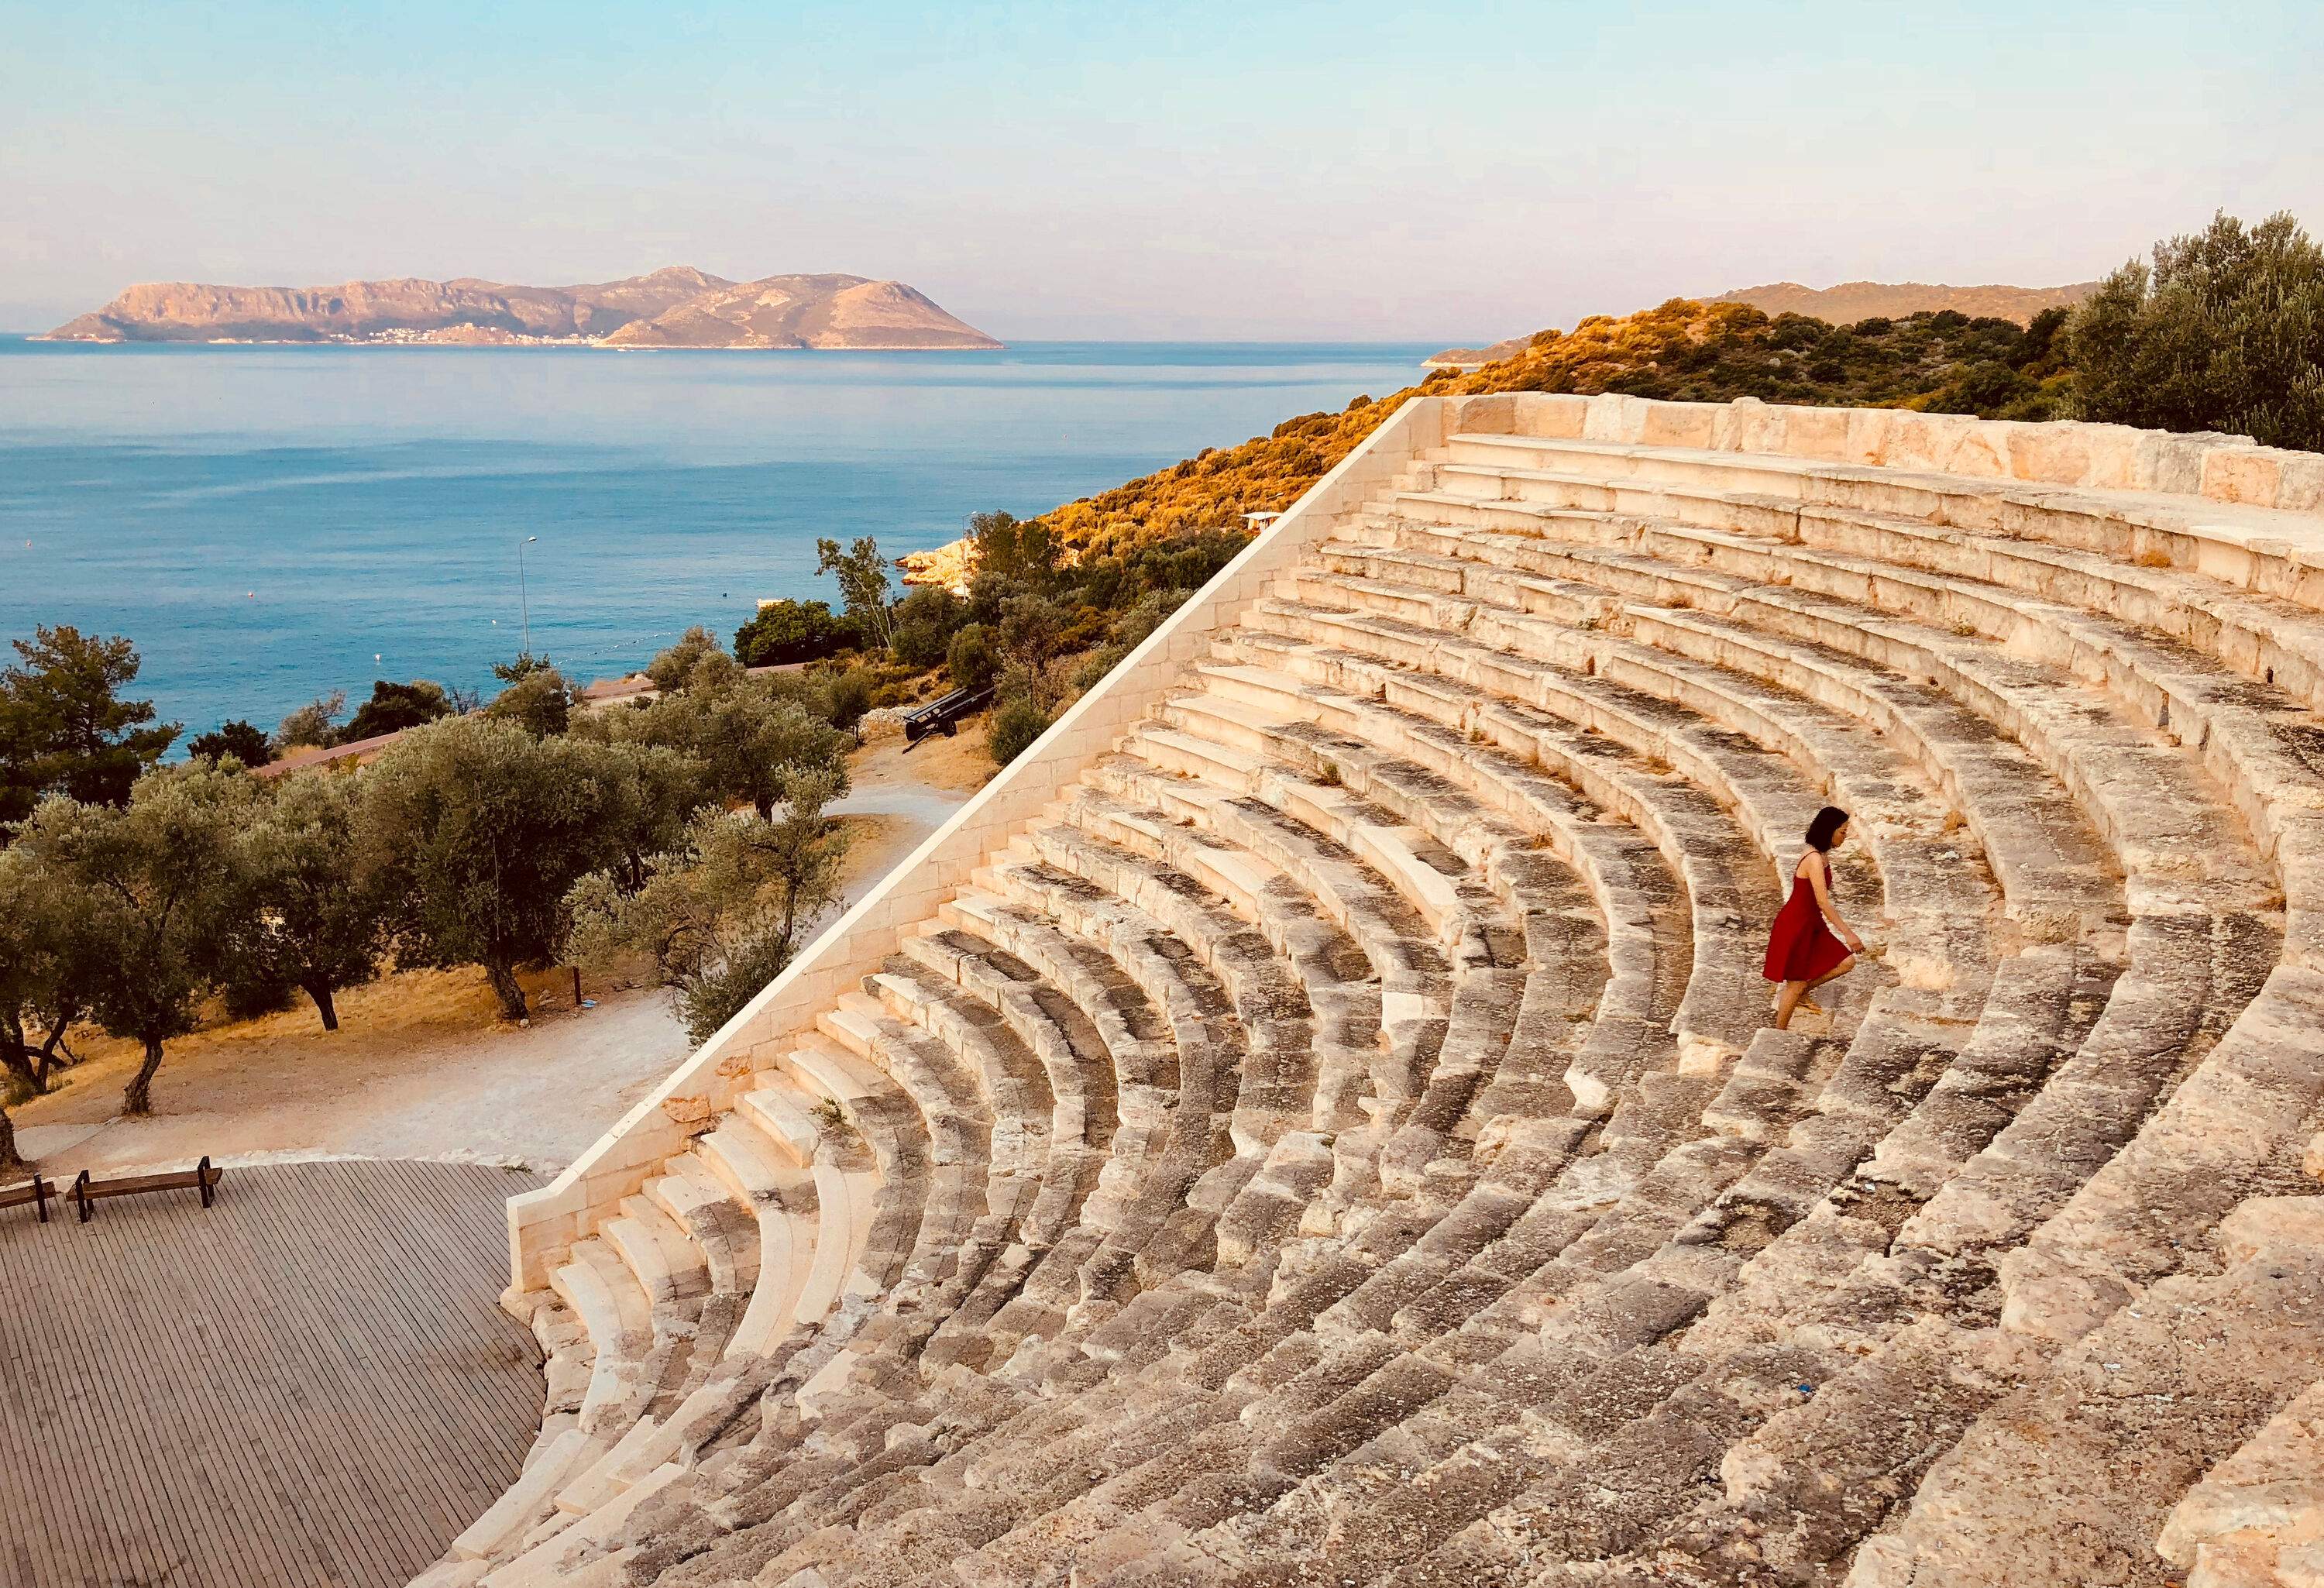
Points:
(310, 1385)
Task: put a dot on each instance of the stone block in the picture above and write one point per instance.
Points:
(2249, 475)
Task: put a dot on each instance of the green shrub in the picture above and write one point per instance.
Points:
(245, 741)
(925, 621)
(248, 997)
(2224, 332)
(393, 708)
(1016, 722)
(847, 695)
(795, 630)
(972, 661)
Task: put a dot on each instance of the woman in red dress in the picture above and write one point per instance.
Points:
(1810, 943)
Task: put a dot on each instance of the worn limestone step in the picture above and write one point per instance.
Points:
(2245, 546)
(1729, 886)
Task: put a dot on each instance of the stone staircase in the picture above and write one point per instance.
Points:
(1312, 1121)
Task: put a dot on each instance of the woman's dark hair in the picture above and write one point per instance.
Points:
(1828, 821)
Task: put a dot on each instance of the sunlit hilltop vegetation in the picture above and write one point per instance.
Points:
(1683, 350)
(2224, 330)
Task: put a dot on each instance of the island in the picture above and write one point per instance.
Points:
(675, 306)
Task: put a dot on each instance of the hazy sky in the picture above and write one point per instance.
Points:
(1334, 170)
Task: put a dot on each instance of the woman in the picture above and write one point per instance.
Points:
(1811, 944)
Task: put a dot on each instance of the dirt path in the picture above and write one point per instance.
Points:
(421, 1068)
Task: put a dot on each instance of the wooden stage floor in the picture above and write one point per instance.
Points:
(310, 1385)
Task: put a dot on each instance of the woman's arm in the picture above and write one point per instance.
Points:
(1819, 878)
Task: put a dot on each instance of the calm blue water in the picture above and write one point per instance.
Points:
(270, 522)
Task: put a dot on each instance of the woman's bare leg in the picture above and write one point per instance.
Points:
(1795, 994)
(1786, 1000)
(1807, 1000)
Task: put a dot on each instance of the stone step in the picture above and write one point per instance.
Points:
(1729, 886)
(605, 1297)
(1330, 993)
(1435, 1064)
(668, 1265)
(2083, 1469)
(2160, 678)
(2257, 1518)
(699, 1202)
(2248, 547)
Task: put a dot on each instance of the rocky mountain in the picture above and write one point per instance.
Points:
(804, 311)
(675, 306)
(1850, 301)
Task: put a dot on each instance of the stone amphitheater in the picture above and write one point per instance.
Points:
(1313, 1119)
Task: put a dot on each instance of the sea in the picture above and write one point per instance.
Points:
(268, 523)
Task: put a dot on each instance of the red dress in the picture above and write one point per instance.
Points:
(1802, 947)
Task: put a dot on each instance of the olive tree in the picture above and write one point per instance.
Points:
(473, 830)
(2225, 331)
(46, 953)
(751, 741)
(723, 913)
(536, 695)
(161, 883)
(309, 922)
(672, 667)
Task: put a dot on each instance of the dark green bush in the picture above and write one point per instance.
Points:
(246, 742)
(972, 661)
(847, 695)
(925, 621)
(393, 708)
(2225, 331)
(1016, 722)
(795, 630)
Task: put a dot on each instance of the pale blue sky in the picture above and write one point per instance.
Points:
(1338, 171)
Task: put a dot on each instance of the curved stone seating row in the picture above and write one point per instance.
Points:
(1337, 1139)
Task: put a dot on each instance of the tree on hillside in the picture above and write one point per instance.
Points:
(394, 707)
(1034, 633)
(927, 619)
(245, 741)
(2224, 331)
(473, 830)
(794, 631)
(1010, 554)
(673, 667)
(970, 660)
(863, 576)
(313, 725)
(160, 882)
(47, 949)
(307, 923)
(64, 727)
(750, 742)
(536, 696)
(724, 913)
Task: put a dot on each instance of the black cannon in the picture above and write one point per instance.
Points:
(939, 716)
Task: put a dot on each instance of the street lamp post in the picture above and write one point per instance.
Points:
(524, 603)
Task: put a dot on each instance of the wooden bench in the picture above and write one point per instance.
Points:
(37, 1190)
(201, 1177)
